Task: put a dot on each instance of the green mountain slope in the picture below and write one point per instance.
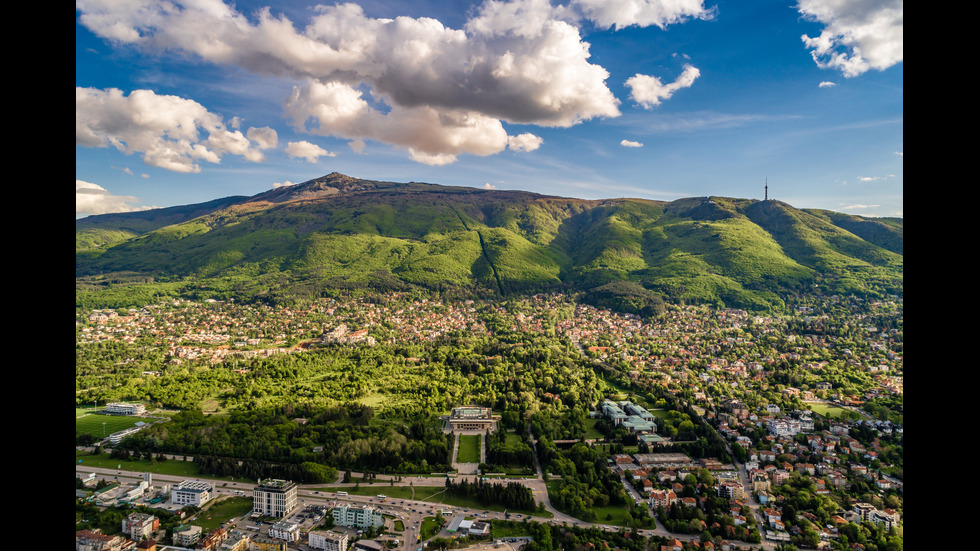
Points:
(337, 230)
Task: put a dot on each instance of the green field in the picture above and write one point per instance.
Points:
(173, 467)
(469, 448)
(829, 411)
(430, 527)
(87, 422)
(222, 511)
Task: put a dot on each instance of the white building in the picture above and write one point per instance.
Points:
(117, 437)
(285, 530)
(274, 498)
(357, 517)
(120, 408)
(329, 540)
(192, 492)
(187, 536)
(140, 526)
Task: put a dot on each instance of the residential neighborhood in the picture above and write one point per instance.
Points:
(727, 427)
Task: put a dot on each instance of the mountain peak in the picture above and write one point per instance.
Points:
(324, 186)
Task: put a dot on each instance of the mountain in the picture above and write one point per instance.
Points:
(338, 231)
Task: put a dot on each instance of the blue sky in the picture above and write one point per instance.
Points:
(191, 100)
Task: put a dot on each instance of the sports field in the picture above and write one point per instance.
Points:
(87, 422)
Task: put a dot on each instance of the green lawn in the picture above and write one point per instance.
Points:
(469, 449)
(430, 527)
(591, 433)
(508, 529)
(221, 511)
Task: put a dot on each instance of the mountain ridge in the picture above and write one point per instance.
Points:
(338, 230)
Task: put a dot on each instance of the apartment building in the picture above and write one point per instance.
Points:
(140, 526)
(328, 540)
(357, 517)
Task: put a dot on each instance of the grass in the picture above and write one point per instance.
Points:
(469, 449)
(173, 467)
(508, 529)
(591, 433)
(222, 511)
(430, 527)
(617, 513)
(87, 422)
(832, 412)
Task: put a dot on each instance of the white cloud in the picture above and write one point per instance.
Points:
(630, 143)
(488, 185)
(827, 84)
(626, 13)
(437, 92)
(166, 130)
(524, 142)
(875, 178)
(431, 136)
(287, 183)
(648, 91)
(306, 150)
(94, 199)
(858, 35)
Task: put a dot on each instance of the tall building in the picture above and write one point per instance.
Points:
(274, 498)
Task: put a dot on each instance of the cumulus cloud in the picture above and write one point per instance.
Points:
(94, 199)
(858, 35)
(169, 131)
(306, 150)
(488, 185)
(287, 183)
(827, 84)
(630, 143)
(649, 91)
(524, 142)
(434, 91)
(643, 13)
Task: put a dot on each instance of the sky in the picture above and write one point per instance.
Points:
(185, 101)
